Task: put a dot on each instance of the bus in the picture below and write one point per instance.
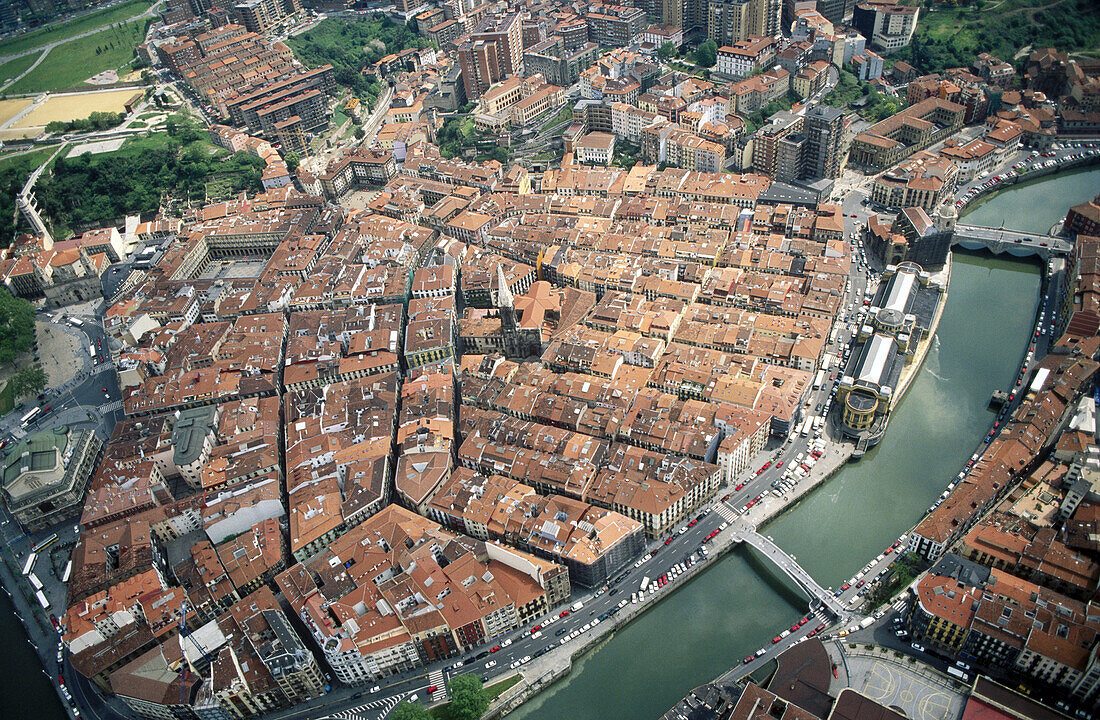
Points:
(35, 581)
(91, 351)
(30, 416)
(42, 600)
(29, 564)
(46, 542)
(68, 569)
(818, 379)
(75, 321)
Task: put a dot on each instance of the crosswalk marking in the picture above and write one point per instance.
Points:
(435, 677)
(111, 406)
(727, 512)
(374, 710)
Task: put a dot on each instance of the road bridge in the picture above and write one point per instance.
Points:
(1014, 242)
(748, 534)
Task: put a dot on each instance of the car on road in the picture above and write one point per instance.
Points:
(917, 647)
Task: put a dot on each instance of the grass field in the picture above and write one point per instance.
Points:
(14, 68)
(69, 65)
(35, 158)
(443, 712)
(75, 107)
(38, 38)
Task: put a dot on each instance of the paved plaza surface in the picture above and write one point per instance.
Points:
(918, 693)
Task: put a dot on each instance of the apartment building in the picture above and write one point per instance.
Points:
(887, 25)
(614, 26)
(491, 52)
(745, 56)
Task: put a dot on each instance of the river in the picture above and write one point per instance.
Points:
(739, 604)
(735, 607)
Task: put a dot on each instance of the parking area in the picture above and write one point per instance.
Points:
(918, 694)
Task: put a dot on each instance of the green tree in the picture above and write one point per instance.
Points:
(666, 51)
(28, 381)
(469, 700)
(706, 54)
(292, 161)
(410, 711)
(360, 133)
(16, 327)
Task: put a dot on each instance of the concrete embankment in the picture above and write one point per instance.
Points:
(543, 672)
(1005, 182)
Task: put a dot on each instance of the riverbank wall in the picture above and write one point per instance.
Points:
(555, 665)
(1087, 161)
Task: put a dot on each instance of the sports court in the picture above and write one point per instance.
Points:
(920, 696)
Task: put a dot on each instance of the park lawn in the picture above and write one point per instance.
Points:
(159, 140)
(36, 158)
(442, 712)
(15, 68)
(69, 65)
(944, 24)
(45, 36)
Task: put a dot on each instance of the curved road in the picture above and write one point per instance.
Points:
(20, 76)
(44, 49)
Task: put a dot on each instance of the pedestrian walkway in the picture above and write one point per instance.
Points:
(435, 677)
(744, 532)
(728, 513)
(375, 710)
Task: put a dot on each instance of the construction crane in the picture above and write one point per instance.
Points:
(183, 660)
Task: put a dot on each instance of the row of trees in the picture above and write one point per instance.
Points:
(95, 121)
(16, 327)
(17, 337)
(27, 381)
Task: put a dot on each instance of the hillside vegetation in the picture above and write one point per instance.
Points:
(952, 36)
(351, 45)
